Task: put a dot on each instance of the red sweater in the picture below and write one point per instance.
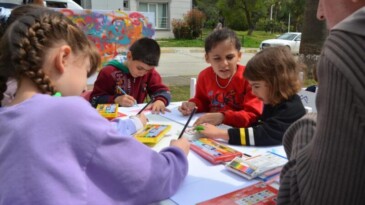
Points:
(105, 87)
(239, 106)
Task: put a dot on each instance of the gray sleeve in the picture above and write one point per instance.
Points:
(327, 167)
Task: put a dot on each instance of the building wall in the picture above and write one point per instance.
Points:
(176, 10)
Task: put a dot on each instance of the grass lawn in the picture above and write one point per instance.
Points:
(246, 41)
(180, 93)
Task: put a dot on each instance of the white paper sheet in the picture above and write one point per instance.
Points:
(206, 181)
(175, 115)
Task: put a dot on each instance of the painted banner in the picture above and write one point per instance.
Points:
(112, 31)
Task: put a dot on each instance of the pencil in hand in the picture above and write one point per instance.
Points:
(124, 93)
(145, 107)
(187, 123)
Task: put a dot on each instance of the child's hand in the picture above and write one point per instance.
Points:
(212, 131)
(143, 119)
(125, 100)
(181, 143)
(215, 118)
(158, 107)
(186, 108)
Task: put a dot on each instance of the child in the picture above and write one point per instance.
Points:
(129, 79)
(7, 16)
(221, 88)
(273, 76)
(59, 150)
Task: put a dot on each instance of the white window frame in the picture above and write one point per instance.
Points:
(156, 4)
(127, 8)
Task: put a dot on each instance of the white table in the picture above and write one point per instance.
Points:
(204, 180)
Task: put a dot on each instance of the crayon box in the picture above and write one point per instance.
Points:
(152, 133)
(108, 111)
(213, 151)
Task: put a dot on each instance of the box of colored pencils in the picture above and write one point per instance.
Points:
(213, 151)
(152, 133)
(108, 111)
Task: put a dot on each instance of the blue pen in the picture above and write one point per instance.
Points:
(124, 93)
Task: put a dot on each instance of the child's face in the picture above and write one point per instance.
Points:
(74, 78)
(137, 68)
(260, 90)
(224, 58)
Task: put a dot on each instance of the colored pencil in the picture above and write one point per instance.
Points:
(145, 107)
(124, 93)
(187, 123)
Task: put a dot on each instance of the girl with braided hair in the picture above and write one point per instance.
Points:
(7, 16)
(59, 150)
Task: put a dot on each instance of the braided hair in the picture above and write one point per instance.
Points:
(27, 40)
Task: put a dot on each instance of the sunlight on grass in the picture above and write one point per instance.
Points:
(246, 41)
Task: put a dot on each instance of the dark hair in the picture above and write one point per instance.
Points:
(146, 50)
(14, 15)
(220, 35)
(27, 40)
(278, 68)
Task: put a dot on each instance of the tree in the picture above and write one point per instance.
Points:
(210, 10)
(313, 35)
(252, 9)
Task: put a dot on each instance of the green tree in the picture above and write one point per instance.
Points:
(210, 10)
(252, 10)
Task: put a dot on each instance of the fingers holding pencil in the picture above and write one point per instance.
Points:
(182, 143)
(125, 100)
(187, 123)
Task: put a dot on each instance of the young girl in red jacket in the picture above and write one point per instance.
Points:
(274, 78)
(221, 89)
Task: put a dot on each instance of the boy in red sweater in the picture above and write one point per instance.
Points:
(221, 88)
(128, 79)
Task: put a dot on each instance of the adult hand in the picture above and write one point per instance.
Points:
(181, 143)
(215, 118)
(158, 107)
(186, 108)
(125, 100)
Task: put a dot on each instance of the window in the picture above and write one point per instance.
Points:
(126, 5)
(160, 10)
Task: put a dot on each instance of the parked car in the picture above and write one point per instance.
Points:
(49, 3)
(290, 39)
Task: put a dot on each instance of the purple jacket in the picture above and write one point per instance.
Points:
(59, 150)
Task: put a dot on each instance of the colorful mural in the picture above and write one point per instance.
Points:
(111, 31)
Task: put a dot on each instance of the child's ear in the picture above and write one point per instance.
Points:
(206, 58)
(62, 58)
(129, 56)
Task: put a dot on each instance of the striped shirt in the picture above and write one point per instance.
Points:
(327, 153)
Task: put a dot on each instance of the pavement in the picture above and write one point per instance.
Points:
(179, 64)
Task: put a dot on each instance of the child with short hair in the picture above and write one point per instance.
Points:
(221, 88)
(128, 79)
(273, 75)
(59, 150)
